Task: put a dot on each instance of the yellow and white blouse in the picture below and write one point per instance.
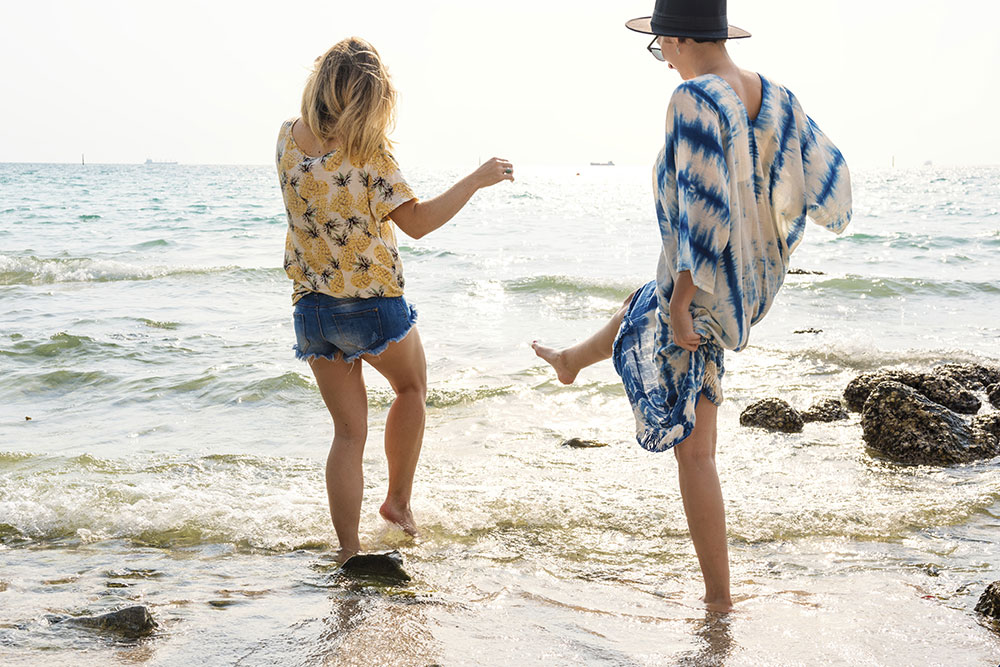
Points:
(340, 239)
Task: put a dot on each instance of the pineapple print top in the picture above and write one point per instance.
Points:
(340, 239)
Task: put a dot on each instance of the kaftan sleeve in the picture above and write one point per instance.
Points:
(695, 234)
(827, 179)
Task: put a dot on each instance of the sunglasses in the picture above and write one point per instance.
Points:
(654, 48)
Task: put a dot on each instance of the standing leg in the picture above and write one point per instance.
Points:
(703, 504)
(404, 366)
(343, 389)
(568, 361)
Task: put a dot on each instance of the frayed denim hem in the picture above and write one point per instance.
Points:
(376, 351)
(302, 356)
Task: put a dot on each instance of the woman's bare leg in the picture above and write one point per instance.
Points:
(404, 366)
(343, 389)
(568, 361)
(703, 504)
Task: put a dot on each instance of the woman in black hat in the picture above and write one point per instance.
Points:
(741, 168)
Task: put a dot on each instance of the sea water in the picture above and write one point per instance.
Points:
(160, 444)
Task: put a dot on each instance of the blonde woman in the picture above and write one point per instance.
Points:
(345, 196)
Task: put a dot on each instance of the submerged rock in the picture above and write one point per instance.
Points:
(940, 388)
(386, 566)
(975, 377)
(907, 427)
(773, 414)
(827, 410)
(130, 622)
(994, 393)
(577, 443)
(989, 602)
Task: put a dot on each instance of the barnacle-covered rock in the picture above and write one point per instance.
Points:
(989, 602)
(906, 427)
(975, 377)
(938, 387)
(773, 414)
(827, 410)
(994, 393)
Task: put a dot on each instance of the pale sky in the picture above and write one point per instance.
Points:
(535, 81)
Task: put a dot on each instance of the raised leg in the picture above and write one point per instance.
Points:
(569, 361)
(404, 366)
(343, 389)
(703, 504)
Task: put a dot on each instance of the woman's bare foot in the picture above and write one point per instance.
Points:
(719, 606)
(556, 359)
(401, 516)
(344, 554)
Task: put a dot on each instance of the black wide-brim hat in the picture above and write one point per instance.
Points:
(696, 19)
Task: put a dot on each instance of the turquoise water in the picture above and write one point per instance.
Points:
(175, 448)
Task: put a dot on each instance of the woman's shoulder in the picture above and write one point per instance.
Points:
(707, 89)
(382, 162)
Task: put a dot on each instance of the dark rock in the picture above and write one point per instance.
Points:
(993, 391)
(906, 427)
(939, 388)
(990, 422)
(808, 331)
(577, 443)
(803, 272)
(387, 566)
(827, 410)
(130, 622)
(773, 414)
(975, 377)
(989, 602)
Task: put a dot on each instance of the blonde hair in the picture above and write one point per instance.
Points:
(350, 99)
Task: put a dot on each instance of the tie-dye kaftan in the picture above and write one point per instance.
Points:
(732, 197)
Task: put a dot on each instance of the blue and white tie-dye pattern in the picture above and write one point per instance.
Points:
(732, 198)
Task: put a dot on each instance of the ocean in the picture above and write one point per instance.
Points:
(160, 444)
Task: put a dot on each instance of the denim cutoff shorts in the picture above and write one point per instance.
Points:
(348, 328)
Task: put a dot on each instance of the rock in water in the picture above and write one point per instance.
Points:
(974, 377)
(994, 393)
(906, 427)
(827, 410)
(773, 414)
(130, 622)
(386, 566)
(939, 388)
(989, 602)
(577, 443)
(989, 422)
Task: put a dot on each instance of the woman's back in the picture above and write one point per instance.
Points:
(340, 241)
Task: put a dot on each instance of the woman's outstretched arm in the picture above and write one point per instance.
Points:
(419, 218)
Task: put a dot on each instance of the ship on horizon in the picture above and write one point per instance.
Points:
(609, 163)
(152, 161)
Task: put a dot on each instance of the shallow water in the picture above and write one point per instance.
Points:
(175, 449)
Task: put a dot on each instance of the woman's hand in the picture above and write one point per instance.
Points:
(682, 326)
(492, 172)
(681, 322)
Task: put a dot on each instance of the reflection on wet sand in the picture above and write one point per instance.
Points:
(370, 626)
(715, 633)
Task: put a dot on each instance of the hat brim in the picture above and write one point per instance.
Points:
(644, 25)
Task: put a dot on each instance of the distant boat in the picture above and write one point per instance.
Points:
(150, 161)
(609, 163)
